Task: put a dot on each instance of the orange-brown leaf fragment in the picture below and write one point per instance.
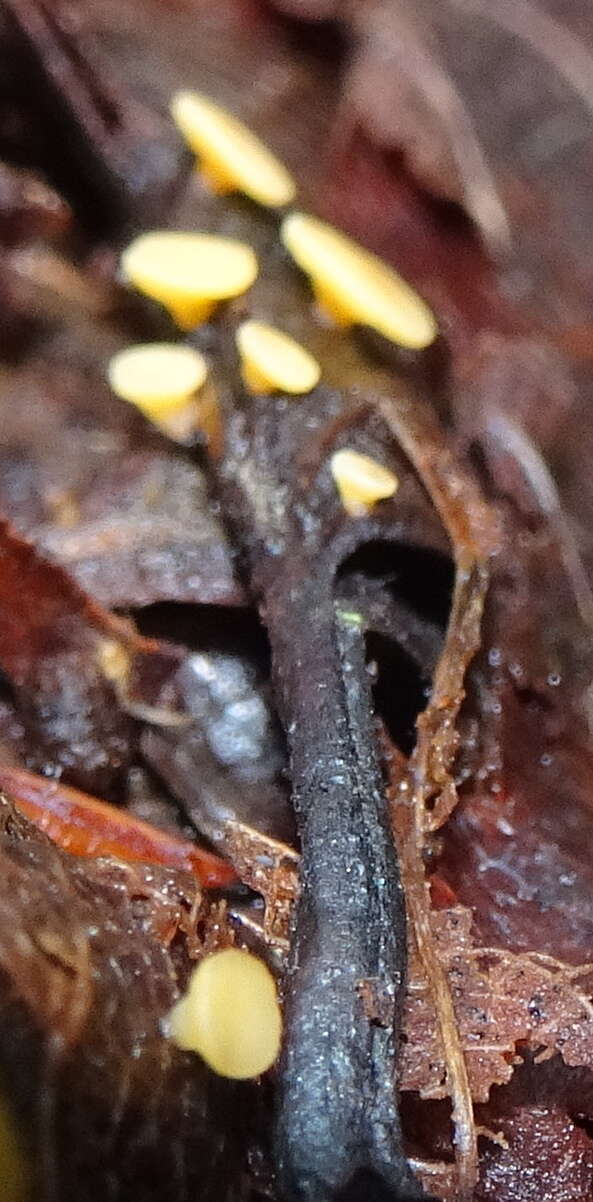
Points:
(84, 826)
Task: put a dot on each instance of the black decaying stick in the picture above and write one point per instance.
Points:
(338, 1133)
(338, 1112)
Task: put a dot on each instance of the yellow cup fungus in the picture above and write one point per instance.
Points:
(189, 273)
(160, 378)
(230, 1014)
(361, 481)
(355, 287)
(271, 361)
(232, 158)
(14, 1175)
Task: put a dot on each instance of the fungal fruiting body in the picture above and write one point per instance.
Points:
(354, 287)
(232, 158)
(271, 361)
(230, 1015)
(361, 481)
(160, 378)
(189, 273)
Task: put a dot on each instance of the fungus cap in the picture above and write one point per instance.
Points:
(160, 378)
(356, 287)
(189, 273)
(232, 158)
(271, 361)
(361, 481)
(230, 1014)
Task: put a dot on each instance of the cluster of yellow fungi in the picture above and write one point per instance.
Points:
(190, 274)
(230, 1015)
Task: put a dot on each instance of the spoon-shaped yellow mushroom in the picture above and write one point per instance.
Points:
(232, 158)
(355, 287)
(189, 273)
(230, 1015)
(273, 362)
(361, 481)
(160, 378)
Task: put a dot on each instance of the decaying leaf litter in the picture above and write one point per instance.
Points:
(531, 677)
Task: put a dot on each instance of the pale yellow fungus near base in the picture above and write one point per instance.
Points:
(160, 378)
(361, 481)
(232, 158)
(355, 287)
(189, 273)
(271, 361)
(14, 1174)
(114, 661)
(230, 1015)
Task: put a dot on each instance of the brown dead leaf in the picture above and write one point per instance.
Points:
(71, 665)
(270, 868)
(29, 208)
(122, 511)
(93, 954)
(500, 1000)
(512, 147)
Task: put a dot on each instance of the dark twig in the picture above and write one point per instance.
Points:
(338, 1110)
(338, 1126)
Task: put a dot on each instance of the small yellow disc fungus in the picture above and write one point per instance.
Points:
(355, 287)
(232, 158)
(361, 481)
(160, 378)
(14, 1176)
(189, 273)
(273, 362)
(230, 1014)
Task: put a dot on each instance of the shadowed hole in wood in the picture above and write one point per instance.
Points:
(400, 690)
(404, 594)
(208, 628)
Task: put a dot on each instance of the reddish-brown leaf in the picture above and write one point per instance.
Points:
(70, 664)
(92, 956)
(501, 1000)
(84, 826)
